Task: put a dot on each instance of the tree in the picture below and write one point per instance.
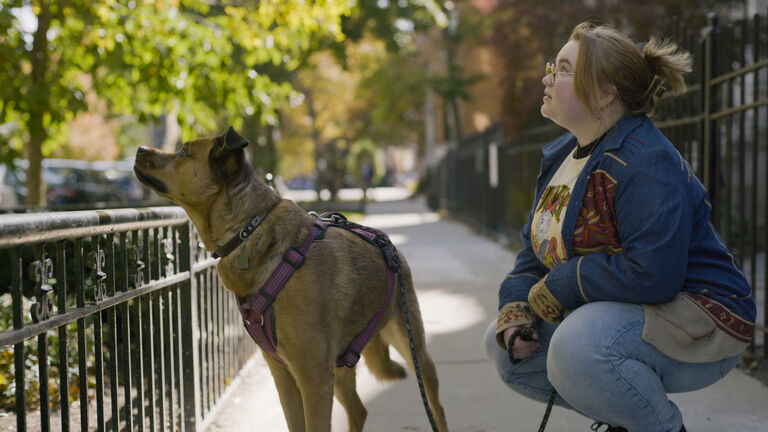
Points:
(40, 91)
(211, 61)
(373, 91)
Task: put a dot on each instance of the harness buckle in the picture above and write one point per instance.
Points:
(261, 321)
(322, 227)
(348, 359)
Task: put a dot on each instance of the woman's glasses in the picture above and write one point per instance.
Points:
(552, 72)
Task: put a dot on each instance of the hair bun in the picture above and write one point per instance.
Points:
(667, 63)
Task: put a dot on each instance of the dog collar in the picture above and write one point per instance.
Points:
(240, 238)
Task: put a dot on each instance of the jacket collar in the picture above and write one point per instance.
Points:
(621, 129)
(616, 135)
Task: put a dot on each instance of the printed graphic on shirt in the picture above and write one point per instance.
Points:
(546, 237)
(554, 200)
(549, 214)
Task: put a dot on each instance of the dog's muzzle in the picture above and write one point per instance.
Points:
(149, 181)
(143, 156)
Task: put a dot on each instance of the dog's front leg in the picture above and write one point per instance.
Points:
(290, 396)
(315, 381)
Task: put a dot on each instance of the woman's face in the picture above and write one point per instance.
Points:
(561, 105)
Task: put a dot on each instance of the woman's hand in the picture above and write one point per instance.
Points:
(521, 349)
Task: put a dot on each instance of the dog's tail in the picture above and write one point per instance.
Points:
(377, 359)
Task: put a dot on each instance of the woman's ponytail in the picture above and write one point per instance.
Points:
(609, 57)
(668, 64)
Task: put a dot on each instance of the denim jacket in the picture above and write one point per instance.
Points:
(641, 234)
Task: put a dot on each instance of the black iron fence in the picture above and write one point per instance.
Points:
(112, 320)
(720, 125)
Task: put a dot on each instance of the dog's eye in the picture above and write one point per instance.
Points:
(182, 152)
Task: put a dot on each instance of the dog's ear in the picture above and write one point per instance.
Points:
(227, 158)
(233, 140)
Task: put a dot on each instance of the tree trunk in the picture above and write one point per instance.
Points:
(39, 106)
(426, 148)
(321, 165)
(35, 186)
(172, 129)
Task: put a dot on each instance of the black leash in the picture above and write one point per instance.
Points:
(526, 334)
(413, 351)
(549, 410)
(392, 259)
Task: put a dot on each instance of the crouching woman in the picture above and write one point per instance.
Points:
(628, 290)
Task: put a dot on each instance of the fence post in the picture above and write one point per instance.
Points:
(493, 206)
(189, 334)
(710, 148)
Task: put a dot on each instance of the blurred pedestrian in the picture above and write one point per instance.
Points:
(625, 287)
(366, 175)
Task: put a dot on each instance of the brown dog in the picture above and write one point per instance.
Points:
(328, 301)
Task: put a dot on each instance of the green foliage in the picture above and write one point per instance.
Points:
(392, 21)
(219, 62)
(213, 63)
(58, 94)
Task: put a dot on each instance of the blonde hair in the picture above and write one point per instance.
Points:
(608, 57)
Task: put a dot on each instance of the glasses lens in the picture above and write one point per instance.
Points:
(550, 69)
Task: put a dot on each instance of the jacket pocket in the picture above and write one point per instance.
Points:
(683, 331)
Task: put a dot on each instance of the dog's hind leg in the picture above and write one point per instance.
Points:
(395, 333)
(377, 359)
(346, 392)
(290, 397)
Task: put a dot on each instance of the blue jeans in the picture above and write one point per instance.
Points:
(601, 368)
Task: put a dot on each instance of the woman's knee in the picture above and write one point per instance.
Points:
(583, 345)
(570, 354)
(575, 338)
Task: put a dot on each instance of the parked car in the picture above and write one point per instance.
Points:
(120, 174)
(80, 184)
(76, 182)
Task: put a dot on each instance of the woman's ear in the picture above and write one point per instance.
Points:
(607, 95)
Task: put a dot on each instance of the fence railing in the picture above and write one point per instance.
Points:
(112, 320)
(720, 125)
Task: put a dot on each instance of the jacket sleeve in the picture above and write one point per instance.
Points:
(527, 271)
(654, 217)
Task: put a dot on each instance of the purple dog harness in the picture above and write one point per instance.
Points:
(257, 312)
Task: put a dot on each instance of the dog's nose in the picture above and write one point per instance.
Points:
(142, 149)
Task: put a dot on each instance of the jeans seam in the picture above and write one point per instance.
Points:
(619, 375)
(533, 389)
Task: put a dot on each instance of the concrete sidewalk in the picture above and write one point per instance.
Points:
(457, 274)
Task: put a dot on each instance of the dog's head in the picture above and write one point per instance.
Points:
(197, 172)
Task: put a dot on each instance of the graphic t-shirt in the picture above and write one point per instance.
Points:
(547, 225)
